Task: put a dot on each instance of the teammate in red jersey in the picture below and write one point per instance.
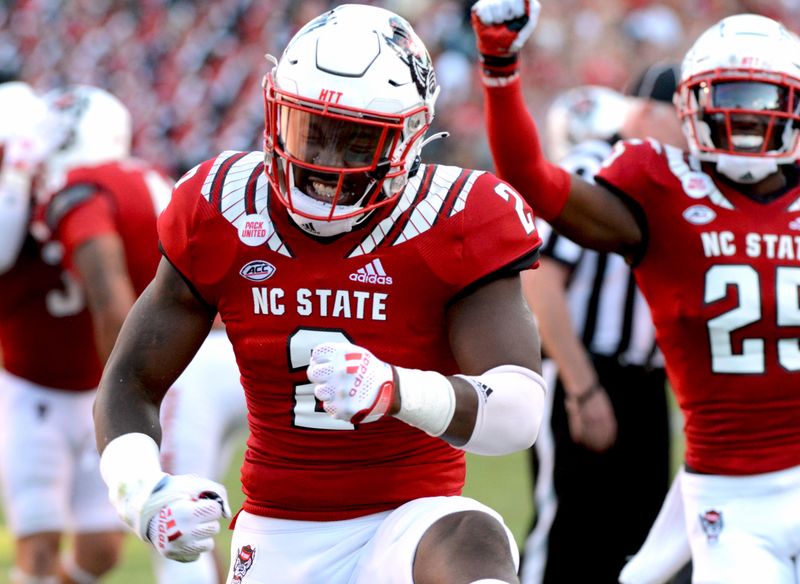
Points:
(329, 258)
(48, 465)
(103, 212)
(712, 236)
(101, 205)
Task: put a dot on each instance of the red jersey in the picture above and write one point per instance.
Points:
(385, 286)
(46, 333)
(721, 273)
(115, 197)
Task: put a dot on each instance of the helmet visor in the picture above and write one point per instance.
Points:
(752, 96)
(749, 116)
(332, 142)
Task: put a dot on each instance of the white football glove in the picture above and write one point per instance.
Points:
(503, 26)
(352, 383)
(182, 514)
(178, 514)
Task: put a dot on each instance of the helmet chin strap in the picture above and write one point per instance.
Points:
(746, 169)
(305, 204)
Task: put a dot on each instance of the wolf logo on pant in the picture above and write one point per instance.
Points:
(243, 563)
(711, 521)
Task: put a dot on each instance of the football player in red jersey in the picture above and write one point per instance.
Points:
(101, 205)
(375, 309)
(713, 238)
(48, 465)
(102, 208)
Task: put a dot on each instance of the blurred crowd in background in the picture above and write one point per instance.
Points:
(190, 71)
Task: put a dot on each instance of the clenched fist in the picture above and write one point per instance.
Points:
(503, 26)
(352, 383)
(184, 513)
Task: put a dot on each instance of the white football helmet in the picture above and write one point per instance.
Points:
(23, 146)
(93, 127)
(589, 112)
(347, 108)
(739, 97)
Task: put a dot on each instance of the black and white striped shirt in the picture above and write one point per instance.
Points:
(606, 308)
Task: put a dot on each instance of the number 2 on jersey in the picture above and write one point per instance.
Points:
(525, 217)
(306, 414)
(745, 279)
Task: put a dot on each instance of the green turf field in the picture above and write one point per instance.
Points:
(500, 482)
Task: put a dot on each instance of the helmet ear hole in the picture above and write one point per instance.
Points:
(412, 172)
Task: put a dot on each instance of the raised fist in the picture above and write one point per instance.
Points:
(182, 516)
(352, 383)
(503, 26)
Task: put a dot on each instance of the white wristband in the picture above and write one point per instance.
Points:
(427, 400)
(131, 468)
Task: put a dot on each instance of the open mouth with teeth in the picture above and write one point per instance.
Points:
(748, 133)
(747, 142)
(322, 191)
(324, 186)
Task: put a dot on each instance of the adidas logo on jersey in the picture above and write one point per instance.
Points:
(372, 273)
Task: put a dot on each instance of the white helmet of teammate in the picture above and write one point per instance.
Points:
(347, 108)
(93, 127)
(739, 97)
(589, 112)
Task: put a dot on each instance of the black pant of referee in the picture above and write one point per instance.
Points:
(606, 502)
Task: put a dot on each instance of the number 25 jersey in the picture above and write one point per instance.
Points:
(386, 286)
(721, 273)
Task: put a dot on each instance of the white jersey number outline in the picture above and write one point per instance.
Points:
(67, 302)
(748, 311)
(301, 343)
(506, 193)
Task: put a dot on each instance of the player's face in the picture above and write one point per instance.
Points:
(746, 116)
(319, 144)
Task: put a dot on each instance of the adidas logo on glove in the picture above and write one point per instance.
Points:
(372, 273)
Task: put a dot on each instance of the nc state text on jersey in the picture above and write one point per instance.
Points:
(769, 245)
(355, 304)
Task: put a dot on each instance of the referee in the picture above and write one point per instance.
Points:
(601, 467)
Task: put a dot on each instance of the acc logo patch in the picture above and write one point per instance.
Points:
(699, 215)
(257, 270)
